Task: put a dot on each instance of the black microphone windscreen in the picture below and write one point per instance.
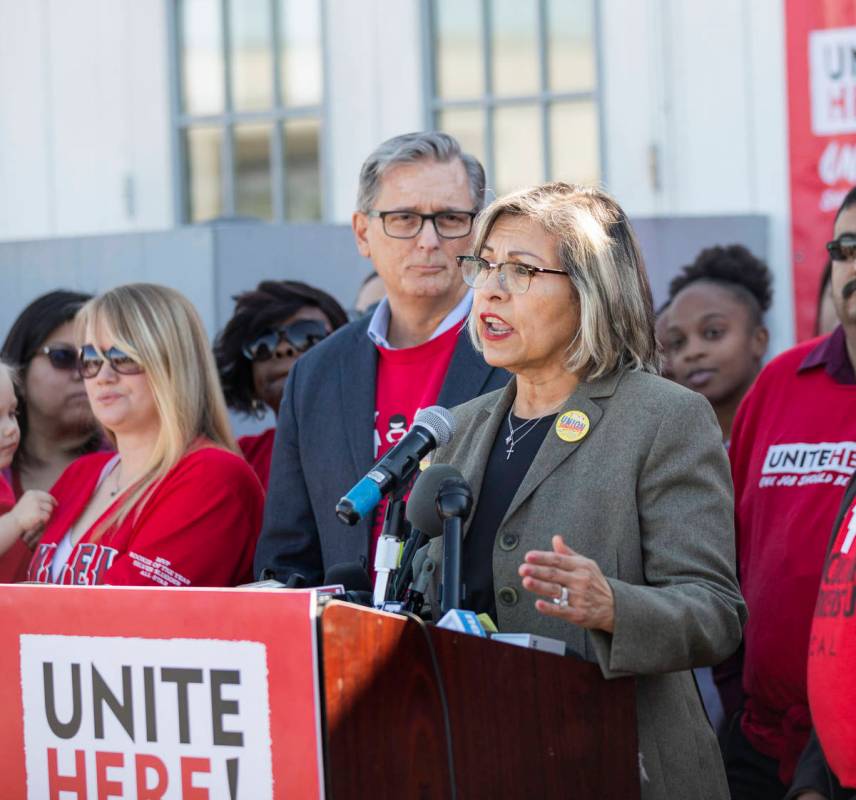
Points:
(350, 574)
(421, 509)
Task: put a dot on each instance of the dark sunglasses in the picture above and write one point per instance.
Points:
(61, 357)
(843, 248)
(301, 335)
(91, 360)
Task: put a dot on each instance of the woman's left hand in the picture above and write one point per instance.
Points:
(589, 600)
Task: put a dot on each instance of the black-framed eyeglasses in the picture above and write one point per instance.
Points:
(62, 356)
(91, 359)
(513, 276)
(408, 224)
(301, 335)
(843, 248)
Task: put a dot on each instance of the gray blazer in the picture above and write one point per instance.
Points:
(647, 494)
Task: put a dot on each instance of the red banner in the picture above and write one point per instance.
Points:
(158, 694)
(821, 58)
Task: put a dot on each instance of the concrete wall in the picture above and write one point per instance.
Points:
(208, 263)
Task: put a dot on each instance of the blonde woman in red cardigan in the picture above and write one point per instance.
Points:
(175, 505)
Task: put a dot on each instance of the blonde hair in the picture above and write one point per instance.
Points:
(14, 374)
(598, 250)
(161, 330)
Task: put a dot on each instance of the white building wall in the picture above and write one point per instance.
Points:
(84, 117)
(695, 105)
(375, 88)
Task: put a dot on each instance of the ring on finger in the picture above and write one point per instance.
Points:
(562, 599)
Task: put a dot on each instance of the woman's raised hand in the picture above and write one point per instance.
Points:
(573, 585)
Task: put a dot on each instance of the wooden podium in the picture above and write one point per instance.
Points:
(248, 694)
(408, 709)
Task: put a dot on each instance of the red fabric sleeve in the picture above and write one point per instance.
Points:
(199, 528)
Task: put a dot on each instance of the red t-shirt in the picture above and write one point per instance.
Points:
(13, 563)
(793, 449)
(198, 528)
(832, 655)
(407, 380)
(258, 451)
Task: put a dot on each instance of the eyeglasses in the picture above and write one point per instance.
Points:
(62, 357)
(301, 335)
(91, 360)
(843, 248)
(408, 224)
(513, 277)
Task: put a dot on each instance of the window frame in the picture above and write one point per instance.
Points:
(488, 102)
(276, 116)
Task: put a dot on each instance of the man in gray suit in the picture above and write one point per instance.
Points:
(352, 396)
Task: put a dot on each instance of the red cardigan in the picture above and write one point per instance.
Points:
(258, 451)
(198, 528)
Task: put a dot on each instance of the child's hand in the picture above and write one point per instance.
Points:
(31, 513)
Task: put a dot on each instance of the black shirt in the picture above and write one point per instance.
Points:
(502, 477)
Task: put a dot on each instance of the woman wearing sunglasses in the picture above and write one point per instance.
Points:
(175, 506)
(271, 328)
(54, 416)
(602, 510)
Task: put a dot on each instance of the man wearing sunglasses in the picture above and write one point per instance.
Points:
(353, 396)
(793, 450)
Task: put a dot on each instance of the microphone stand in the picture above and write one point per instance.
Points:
(387, 555)
(454, 504)
(407, 569)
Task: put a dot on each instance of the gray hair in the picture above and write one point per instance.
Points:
(598, 250)
(411, 147)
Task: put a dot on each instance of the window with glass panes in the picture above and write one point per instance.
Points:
(516, 81)
(247, 103)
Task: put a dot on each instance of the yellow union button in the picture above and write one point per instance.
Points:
(571, 426)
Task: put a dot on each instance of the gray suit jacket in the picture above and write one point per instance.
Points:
(646, 494)
(324, 445)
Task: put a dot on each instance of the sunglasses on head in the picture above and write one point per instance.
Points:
(843, 248)
(91, 360)
(301, 335)
(61, 356)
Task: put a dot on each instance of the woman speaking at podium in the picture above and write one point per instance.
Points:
(602, 494)
(175, 505)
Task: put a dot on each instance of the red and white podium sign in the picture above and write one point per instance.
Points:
(158, 694)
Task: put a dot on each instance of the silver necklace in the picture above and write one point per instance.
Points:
(510, 440)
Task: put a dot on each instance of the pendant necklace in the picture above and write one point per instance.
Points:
(510, 440)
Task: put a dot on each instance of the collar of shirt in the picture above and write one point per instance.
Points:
(379, 325)
(831, 354)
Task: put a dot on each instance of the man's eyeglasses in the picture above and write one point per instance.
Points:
(62, 357)
(91, 360)
(408, 224)
(301, 335)
(513, 277)
(843, 248)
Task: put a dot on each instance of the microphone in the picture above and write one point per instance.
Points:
(432, 427)
(424, 522)
(353, 576)
(421, 510)
(439, 504)
(454, 504)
